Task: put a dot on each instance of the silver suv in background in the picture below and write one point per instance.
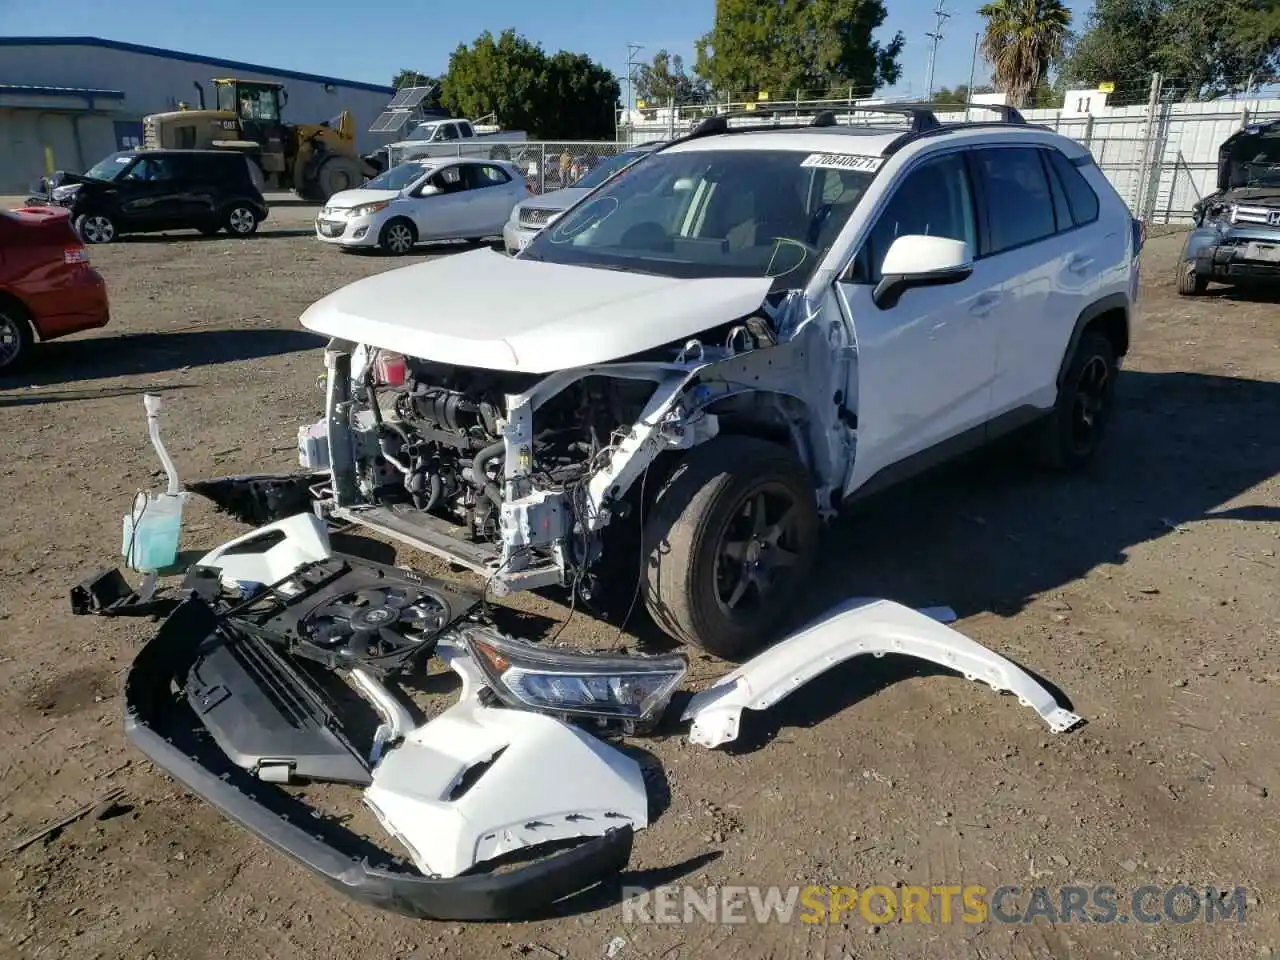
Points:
(530, 216)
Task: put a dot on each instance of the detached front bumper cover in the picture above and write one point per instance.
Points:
(160, 723)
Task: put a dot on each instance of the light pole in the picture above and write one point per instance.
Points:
(632, 63)
(936, 37)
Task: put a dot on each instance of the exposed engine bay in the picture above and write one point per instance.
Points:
(439, 444)
(516, 476)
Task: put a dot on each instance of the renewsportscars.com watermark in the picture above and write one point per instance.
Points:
(941, 903)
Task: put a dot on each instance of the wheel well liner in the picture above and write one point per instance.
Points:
(1110, 317)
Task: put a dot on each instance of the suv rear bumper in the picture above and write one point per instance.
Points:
(164, 727)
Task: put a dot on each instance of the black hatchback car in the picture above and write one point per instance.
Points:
(145, 191)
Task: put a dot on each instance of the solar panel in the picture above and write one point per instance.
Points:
(390, 121)
(409, 97)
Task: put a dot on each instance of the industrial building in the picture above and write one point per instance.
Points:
(66, 102)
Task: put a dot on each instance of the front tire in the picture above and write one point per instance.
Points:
(1069, 437)
(96, 228)
(398, 237)
(241, 221)
(730, 543)
(1189, 284)
(17, 341)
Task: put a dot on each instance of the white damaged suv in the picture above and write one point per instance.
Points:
(710, 354)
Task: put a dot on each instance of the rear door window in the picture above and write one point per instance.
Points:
(1081, 199)
(485, 175)
(1018, 197)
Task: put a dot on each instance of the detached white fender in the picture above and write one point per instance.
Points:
(478, 782)
(852, 629)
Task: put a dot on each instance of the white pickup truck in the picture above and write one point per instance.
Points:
(453, 138)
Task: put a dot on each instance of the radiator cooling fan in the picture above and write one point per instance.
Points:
(374, 622)
(345, 613)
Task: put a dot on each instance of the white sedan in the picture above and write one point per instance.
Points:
(430, 199)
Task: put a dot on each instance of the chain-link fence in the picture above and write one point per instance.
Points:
(546, 164)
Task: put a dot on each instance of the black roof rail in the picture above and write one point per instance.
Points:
(1010, 116)
(922, 118)
(1007, 113)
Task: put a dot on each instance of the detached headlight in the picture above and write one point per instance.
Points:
(65, 193)
(628, 690)
(365, 209)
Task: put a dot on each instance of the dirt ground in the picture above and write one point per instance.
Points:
(1145, 591)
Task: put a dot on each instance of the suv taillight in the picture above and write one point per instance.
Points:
(75, 255)
(1139, 234)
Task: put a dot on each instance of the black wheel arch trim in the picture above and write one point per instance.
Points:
(162, 725)
(1108, 304)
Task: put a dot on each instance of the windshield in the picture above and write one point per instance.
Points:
(398, 177)
(606, 169)
(424, 132)
(1256, 161)
(109, 167)
(712, 213)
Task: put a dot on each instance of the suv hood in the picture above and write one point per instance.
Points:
(486, 309)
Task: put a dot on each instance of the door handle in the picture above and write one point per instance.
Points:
(1079, 263)
(985, 304)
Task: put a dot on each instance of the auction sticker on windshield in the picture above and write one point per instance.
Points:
(844, 161)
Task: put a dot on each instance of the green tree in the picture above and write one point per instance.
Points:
(1212, 47)
(559, 97)
(960, 94)
(1118, 45)
(1022, 38)
(1204, 48)
(411, 78)
(664, 79)
(788, 45)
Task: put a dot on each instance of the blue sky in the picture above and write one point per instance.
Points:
(372, 42)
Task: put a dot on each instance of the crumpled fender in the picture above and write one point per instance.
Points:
(853, 629)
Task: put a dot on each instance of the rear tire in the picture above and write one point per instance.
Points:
(730, 544)
(96, 228)
(17, 340)
(335, 175)
(1189, 284)
(241, 220)
(1068, 438)
(398, 237)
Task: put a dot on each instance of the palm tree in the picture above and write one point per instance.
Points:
(1022, 38)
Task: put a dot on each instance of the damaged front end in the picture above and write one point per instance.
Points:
(518, 477)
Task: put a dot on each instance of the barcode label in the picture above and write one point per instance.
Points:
(843, 161)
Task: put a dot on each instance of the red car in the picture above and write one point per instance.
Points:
(47, 287)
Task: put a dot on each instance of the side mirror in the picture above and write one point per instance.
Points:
(429, 190)
(920, 261)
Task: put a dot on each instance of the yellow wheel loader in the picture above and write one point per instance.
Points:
(314, 160)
